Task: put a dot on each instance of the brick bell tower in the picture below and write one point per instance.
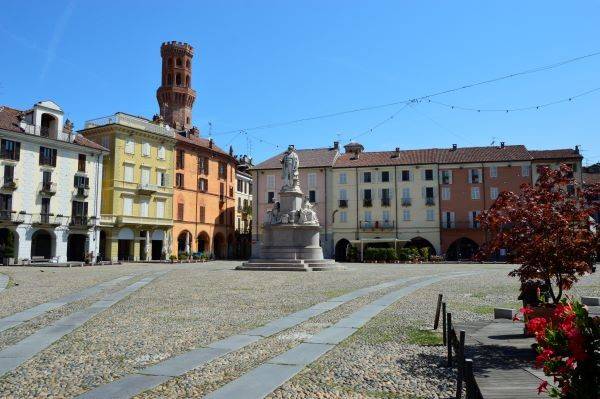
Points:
(175, 95)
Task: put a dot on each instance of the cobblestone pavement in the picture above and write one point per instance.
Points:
(196, 304)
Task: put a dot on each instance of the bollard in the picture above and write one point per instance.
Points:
(460, 364)
(449, 338)
(444, 322)
(469, 379)
(436, 322)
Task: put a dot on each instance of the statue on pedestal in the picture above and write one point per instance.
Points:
(289, 169)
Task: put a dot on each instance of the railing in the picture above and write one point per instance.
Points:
(343, 203)
(44, 131)
(131, 121)
(82, 221)
(47, 187)
(429, 201)
(385, 202)
(407, 201)
(108, 219)
(47, 219)
(367, 203)
(377, 224)
(447, 225)
(147, 188)
(7, 215)
(10, 183)
(81, 192)
(10, 155)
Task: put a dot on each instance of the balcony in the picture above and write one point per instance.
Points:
(10, 184)
(141, 221)
(8, 217)
(81, 192)
(222, 198)
(406, 201)
(47, 220)
(131, 121)
(385, 202)
(146, 188)
(47, 188)
(376, 225)
(429, 201)
(448, 225)
(81, 221)
(343, 203)
(367, 203)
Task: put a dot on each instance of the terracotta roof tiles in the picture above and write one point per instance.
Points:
(563, 153)
(308, 158)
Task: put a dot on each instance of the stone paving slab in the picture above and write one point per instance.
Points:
(4, 279)
(331, 335)
(38, 310)
(41, 339)
(126, 387)
(185, 362)
(234, 342)
(258, 383)
(303, 354)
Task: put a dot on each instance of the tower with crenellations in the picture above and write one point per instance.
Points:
(175, 96)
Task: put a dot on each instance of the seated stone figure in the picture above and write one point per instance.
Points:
(273, 216)
(307, 213)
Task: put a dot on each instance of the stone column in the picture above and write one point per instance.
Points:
(187, 243)
(148, 246)
(136, 246)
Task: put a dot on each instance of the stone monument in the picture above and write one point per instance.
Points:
(290, 229)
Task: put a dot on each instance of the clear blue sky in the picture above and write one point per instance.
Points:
(270, 61)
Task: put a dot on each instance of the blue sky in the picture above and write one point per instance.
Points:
(265, 62)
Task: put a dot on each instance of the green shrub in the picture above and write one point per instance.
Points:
(425, 253)
(353, 254)
(173, 257)
(404, 254)
(370, 254)
(8, 251)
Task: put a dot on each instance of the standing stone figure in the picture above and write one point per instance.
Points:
(289, 169)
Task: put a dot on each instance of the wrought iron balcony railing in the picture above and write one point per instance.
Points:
(377, 224)
(448, 225)
(429, 201)
(343, 203)
(385, 202)
(367, 203)
(406, 201)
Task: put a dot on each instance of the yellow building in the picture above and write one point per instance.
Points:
(137, 191)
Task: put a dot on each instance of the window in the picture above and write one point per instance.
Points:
(145, 178)
(473, 222)
(180, 159)
(343, 217)
(202, 214)
(312, 180)
(406, 175)
(79, 209)
(368, 216)
(446, 193)
(222, 170)
(524, 170)
(367, 193)
(475, 193)
(9, 174)
(430, 215)
(105, 142)
(429, 192)
(367, 177)
(161, 152)
(312, 196)
(385, 197)
(446, 177)
(144, 205)
(179, 62)
(5, 206)
(146, 149)
(47, 180)
(406, 215)
(129, 146)
(180, 209)
(231, 191)
(239, 201)
(386, 216)
(161, 178)
(493, 192)
(78, 181)
(271, 197)
(448, 220)
(203, 185)
(10, 149)
(343, 178)
(81, 163)
(343, 194)
(385, 176)
(428, 174)
(47, 156)
(179, 180)
(474, 176)
(128, 173)
(270, 181)
(203, 165)
(127, 206)
(406, 192)
(240, 186)
(493, 172)
(160, 209)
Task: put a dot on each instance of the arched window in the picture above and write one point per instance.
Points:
(178, 79)
(170, 62)
(187, 63)
(169, 79)
(49, 126)
(179, 63)
(187, 80)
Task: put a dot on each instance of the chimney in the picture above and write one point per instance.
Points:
(210, 143)
(336, 145)
(577, 149)
(454, 147)
(397, 154)
(502, 144)
(230, 150)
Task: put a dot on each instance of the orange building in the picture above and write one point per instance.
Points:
(203, 197)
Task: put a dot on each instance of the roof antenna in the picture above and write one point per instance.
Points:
(209, 129)
(493, 141)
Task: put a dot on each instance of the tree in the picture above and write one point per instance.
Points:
(546, 228)
(8, 248)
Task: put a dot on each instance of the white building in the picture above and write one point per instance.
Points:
(50, 192)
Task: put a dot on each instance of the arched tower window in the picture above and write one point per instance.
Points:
(187, 64)
(179, 63)
(170, 61)
(169, 79)
(187, 80)
(178, 79)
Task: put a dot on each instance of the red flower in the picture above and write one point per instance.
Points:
(543, 357)
(543, 387)
(537, 326)
(526, 310)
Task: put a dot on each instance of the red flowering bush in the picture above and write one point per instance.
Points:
(568, 347)
(547, 228)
